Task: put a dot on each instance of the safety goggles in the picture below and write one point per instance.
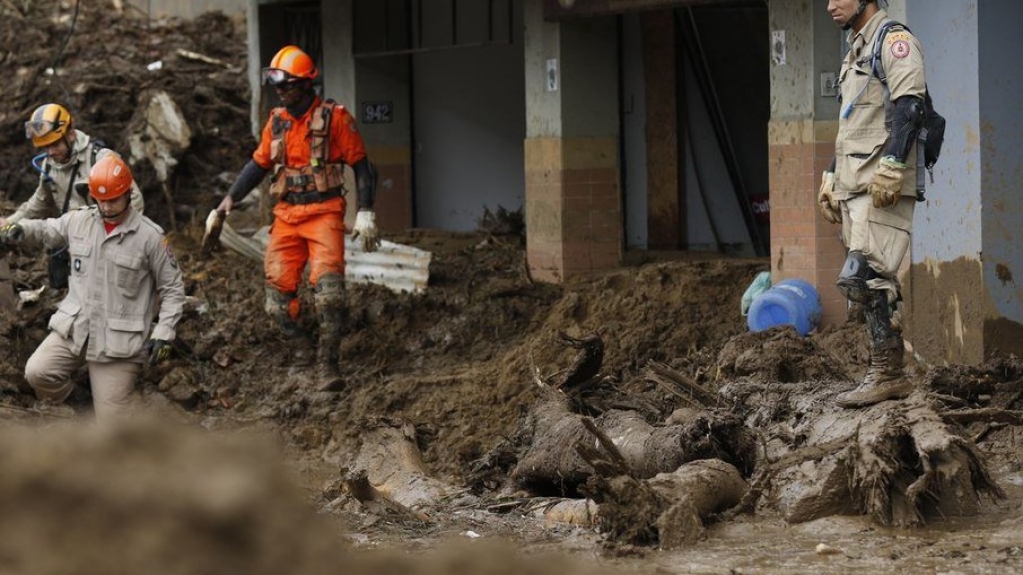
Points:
(277, 77)
(39, 128)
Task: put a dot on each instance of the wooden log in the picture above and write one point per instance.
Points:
(553, 466)
(393, 467)
(671, 509)
(903, 464)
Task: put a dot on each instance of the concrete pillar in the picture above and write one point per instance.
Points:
(963, 301)
(383, 81)
(573, 197)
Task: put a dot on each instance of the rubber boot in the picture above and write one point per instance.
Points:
(278, 306)
(329, 305)
(884, 379)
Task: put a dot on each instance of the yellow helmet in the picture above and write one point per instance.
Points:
(48, 123)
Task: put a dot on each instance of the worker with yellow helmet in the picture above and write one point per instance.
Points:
(68, 155)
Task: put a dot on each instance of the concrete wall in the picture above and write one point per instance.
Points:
(967, 245)
(469, 124)
(1001, 135)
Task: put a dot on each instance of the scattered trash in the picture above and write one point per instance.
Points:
(824, 549)
(759, 285)
(792, 302)
(26, 297)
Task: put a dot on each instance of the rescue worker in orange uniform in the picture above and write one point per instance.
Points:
(306, 143)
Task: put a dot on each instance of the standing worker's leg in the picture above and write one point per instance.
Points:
(286, 256)
(49, 368)
(113, 385)
(878, 240)
(326, 257)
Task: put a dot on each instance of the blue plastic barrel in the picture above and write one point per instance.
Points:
(789, 302)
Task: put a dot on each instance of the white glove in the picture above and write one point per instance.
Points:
(366, 230)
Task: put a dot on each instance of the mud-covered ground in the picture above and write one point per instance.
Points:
(240, 472)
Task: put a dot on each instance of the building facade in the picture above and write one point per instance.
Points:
(624, 128)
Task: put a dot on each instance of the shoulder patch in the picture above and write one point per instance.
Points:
(898, 43)
(170, 253)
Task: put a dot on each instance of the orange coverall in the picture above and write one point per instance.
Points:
(312, 232)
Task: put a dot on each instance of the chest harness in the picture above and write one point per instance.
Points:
(320, 179)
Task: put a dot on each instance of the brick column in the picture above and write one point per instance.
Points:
(573, 206)
(803, 244)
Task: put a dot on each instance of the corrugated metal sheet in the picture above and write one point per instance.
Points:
(397, 267)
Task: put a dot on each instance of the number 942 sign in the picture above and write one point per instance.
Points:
(377, 112)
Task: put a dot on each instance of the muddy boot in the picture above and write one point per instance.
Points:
(884, 379)
(855, 313)
(329, 301)
(303, 350)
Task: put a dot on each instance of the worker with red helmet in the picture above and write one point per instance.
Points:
(307, 142)
(123, 276)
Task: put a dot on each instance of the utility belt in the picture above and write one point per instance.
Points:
(313, 197)
(313, 181)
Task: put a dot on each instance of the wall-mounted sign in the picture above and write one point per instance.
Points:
(778, 51)
(377, 112)
(552, 75)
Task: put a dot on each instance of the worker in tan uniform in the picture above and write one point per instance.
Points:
(123, 277)
(871, 188)
(67, 155)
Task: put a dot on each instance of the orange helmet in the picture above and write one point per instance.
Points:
(48, 123)
(110, 178)
(290, 64)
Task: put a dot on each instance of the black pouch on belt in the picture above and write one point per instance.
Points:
(58, 267)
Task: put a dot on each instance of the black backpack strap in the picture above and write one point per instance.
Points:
(70, 188)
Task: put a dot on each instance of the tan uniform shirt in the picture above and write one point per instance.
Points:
(118, 280)
(861, 125)
(48, 199)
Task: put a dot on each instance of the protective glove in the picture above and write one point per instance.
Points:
(159, 350)
(11, 233)
(366, 230)
(886, 186)
(826, 199)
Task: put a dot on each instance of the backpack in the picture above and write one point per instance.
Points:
(932, 133)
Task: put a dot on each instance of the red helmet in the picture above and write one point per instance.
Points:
(290, 64)
(110, 178)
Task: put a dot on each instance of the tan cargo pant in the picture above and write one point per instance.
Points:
(49, 371)
(882, 235)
